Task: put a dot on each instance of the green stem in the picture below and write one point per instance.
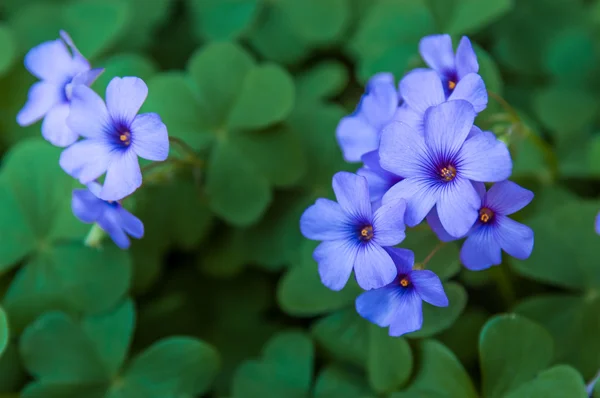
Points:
(504, 284)
(94, 237)
(432, 253)
(184, 148)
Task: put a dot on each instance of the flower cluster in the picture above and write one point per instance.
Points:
(113, 134)
(422, 159)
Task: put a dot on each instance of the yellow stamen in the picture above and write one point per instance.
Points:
(448, 173)
(451, 85)
(366, 233)
(404, 282)
(485, 215)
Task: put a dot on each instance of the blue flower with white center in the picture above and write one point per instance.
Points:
(59, 71)
(115, 220)
(439, 165)
(353, 235)
(399, 304)
(359, 133)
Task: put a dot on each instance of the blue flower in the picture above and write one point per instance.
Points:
(494, 231)
(59, 71)
(439, 165)
(359, 133)
(115, 136)
(110, 216)
(353, 236)
(437, 52)
(399, 305)
(379, 180)
(597, 224)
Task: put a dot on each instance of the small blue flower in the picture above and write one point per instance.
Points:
(359, 132)
(439, 165)
(493, 231)
(379, 180)
(399, 305)
(115, 136)
(597, 224)
(110, 216)
(58, 70)
(353, 236)
(437, 52)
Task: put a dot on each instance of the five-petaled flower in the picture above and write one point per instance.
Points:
(359, 132)
(59, 71)
(399, 304)
(439, 165)
(113, 218)
(353, 235)
(115, 136)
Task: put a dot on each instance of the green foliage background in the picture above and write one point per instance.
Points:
(222, 298)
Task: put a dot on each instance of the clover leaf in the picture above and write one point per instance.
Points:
(556, 382)
(4, 331)
(8, 48)
(223, 20)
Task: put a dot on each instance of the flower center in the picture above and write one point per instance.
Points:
(451, 84)
(485, 215)
(448, 173)
(366, 233)
(403, 281)
(125, 138)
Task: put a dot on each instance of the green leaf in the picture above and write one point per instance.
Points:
(8, 48)
(49, 390)
(266, 97)
(325, 80)
(219, 70)
(176, 366)
(572, 56)
(285, 370)
(124, 64)
(222, 19)
(437, 319)
(512, 351)
(301, 293)
(105, 21)
(237, 191)
(316, 21)
(571, 321)
(557, 382)
(4, 331)
(338, 382)
(469, 16)
(461, 338)
(446, 259)
(12, 374)
(439, 374)
(570, 234)
(148, 20)
(390, 361)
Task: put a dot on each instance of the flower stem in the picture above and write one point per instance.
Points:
(432, 253)
(184, 148)
(94, 237)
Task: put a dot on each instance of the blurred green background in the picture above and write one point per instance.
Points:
(257, 88)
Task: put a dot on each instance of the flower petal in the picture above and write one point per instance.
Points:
(403, 151)
(506, 198)
(86, 160)
(79, 60)
(480, 250)
(433, 219)
(380, 104)
(149, 137)
(388, 223)
(458, 207)
(324, 220)
(447, 126)
(437, 52)
(130, 223)
(471, 88)
(124, 98)
(373, 267)
(55, 129)
(422, 89)
(409, 314)
(356, 137)
(404, 259)
(352, 193)
(86, 78)
(379, 305)
(50, 61)
(123, 176)
(41, 98)
(88, 117)
(336, 259)
(484, 158)
(110, 222)
(429, 287)
(409, 116)
(597, 224)
(86, 207)
(466, 59)
(420, 197)
(514, 238)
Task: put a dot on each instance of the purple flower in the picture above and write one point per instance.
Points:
(109, 215)
(399, 305)
(59, 71)
(597, 224)
(359, 133)
(437, 52)
(353, 236)
(439, 165)
(378, 179)
(115, 136)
